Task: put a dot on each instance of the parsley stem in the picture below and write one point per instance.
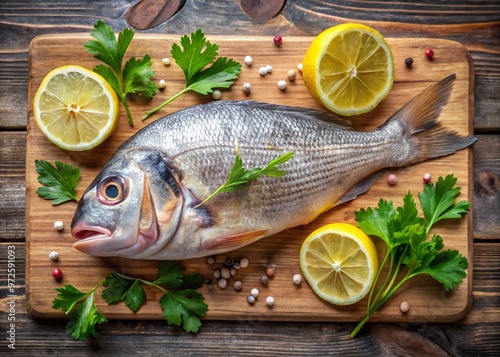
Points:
(381, 267)
(127, 109)
(151, 112)
(396, 272)
(215, 193)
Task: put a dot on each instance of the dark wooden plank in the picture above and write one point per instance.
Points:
(477, 335)
(12, 183)
(487, 187)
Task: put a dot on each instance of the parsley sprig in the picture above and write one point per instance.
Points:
(181, 303)
(59, 181)
(196, 53)
(134, 77)
(405, 234)
(239, 176)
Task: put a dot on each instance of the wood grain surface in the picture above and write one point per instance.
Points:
(474, 24)
(428, 300)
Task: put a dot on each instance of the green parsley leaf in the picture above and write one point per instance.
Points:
(67, 297)
(184, 308)
(84, 320)
(192, 56)
(239, 176)
(405, 235)
(121, 288)
(85, 315)
(60, 181)
(132, 78)
(438, 202)
(136, 296)
(169, 274)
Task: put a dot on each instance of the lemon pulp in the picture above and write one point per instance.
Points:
(75, 108)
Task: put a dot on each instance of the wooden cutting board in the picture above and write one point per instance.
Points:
(428, 300)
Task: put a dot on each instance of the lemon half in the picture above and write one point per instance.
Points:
(75, 108)
(339, 261)
(349, 68)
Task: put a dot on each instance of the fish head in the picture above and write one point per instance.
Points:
(120, 214)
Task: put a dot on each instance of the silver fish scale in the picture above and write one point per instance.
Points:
(327, 161)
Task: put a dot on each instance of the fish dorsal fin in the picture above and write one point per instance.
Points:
(234, 241)
(295, 112)
(360, 188)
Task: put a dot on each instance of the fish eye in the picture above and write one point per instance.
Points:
(112, 190)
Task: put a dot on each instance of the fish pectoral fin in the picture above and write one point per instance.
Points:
(234, 241)
(361, 187)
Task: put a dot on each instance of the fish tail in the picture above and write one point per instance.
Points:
(425, 137)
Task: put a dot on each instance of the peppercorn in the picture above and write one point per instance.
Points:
(54, 255)
(427, 178)
(237, 285)
(216, 94)
(291, 75)
(282, 85)
(429, 53)
(247, 87)
(404, 307)
(229, 262)
(297, 279)
(162, 84)
(57, 274)
(254, 292)
(166, 61)
(278, 40)
(270, 271)
(408, 61)
(264, 279)
(244, 262)
(270, 301)
(224, 272)
(250, 299)
(248, 60)
(391, 179)
(222, 283)
(211, 260)
(269, 68)
(59, 225)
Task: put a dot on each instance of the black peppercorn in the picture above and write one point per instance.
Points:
(408, 61)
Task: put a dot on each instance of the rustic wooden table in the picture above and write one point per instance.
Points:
(474, 24)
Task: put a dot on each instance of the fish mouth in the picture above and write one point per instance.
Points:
(90, 232)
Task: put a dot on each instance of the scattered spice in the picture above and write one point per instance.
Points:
(216, 94)
(222, 283)
(211, 260)
(216, 273)
(248, 60)
(244, 262)
(54, 255)
(391, 179)
(270, 301)
(408, 61)
(57, 274)
(162, 84)
(297, 279)
(254, 292)
(262, 71)
(299, 67)
(278, 40)
(250, 299)
(429, 53)
(292, 74)
(237, 285)
(166, 61)
(404, 307)
(247, 87)
(269, 68)
(427, 178)
(270, 271)
(282, 85)
(228, 263)
(224, 272)
(264, 279)
(59, 225)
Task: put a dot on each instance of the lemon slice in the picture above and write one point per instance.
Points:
(339, 261)
(349, 68)
(75, 108)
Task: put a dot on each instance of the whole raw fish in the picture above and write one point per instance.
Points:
(142, 205)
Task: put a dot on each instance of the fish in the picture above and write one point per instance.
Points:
(145, 202)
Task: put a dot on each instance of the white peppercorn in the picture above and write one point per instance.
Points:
(222, 283)
(59, 225)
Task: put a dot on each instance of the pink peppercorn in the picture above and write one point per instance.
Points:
(278, 40)
(391, 179)
(429, 53)
(57, 274)
(427, 178)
